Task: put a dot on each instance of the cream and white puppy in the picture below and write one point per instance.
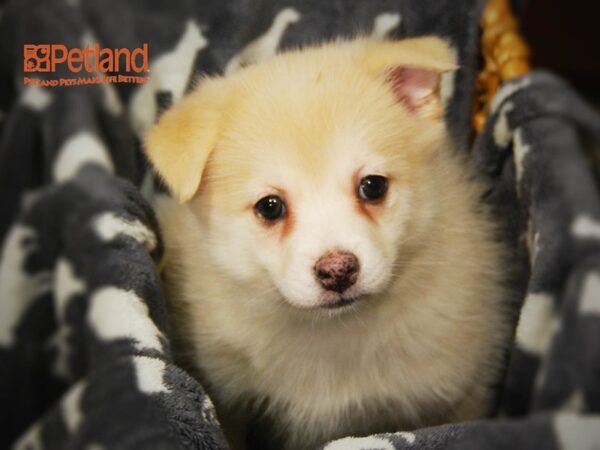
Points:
(328, 259)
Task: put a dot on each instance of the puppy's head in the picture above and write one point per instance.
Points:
(309, 171)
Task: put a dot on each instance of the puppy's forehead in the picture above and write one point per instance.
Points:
(320, 128)
(313, 130)
(320, 157)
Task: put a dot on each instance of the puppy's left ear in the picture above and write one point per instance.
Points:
(413, 68)
(179, 145)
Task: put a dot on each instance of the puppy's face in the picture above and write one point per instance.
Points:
(308, 173)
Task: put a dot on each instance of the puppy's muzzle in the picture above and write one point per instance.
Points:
(337, 271)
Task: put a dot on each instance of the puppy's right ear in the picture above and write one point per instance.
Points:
(179, 145)
(413, 69)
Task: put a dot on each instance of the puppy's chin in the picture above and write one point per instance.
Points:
(344, 307)
(330, 304)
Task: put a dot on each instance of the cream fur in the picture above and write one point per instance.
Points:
(423, 343)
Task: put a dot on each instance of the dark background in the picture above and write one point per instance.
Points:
(564, 36)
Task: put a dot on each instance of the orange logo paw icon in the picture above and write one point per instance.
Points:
(36, 58)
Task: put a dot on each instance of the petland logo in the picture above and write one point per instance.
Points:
(100, 65)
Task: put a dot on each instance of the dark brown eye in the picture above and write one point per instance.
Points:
(270, 207)
(372, 188)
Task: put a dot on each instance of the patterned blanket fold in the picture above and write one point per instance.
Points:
(85, 358)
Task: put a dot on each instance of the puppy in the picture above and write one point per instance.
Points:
(328, 265)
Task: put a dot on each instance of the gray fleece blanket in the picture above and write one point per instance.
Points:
(85, 359)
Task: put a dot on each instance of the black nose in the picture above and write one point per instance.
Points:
(337, 271)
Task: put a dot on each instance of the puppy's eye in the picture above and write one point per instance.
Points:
(372, 187)
(270, 207)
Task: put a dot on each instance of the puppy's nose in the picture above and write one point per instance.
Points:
(337, 271)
